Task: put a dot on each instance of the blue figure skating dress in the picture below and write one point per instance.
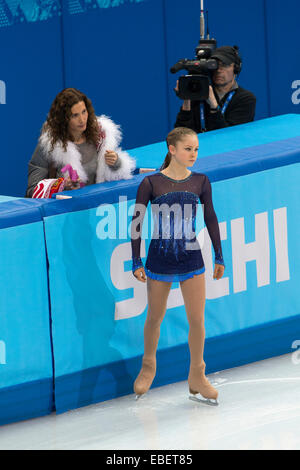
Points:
(174, 253)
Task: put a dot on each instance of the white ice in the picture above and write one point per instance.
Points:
(259, 408)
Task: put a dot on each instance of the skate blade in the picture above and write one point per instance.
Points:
(200, 399)
(137, 397)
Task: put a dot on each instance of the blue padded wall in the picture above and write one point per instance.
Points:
(243, 23)
(117, 56)
(283, 55)
(119, 52)
(31, 69)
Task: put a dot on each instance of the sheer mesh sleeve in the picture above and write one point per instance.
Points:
(143, 196)
(211, 220)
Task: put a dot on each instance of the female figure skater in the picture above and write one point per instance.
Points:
(175, 255)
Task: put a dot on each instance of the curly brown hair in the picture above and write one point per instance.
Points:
(57, 123)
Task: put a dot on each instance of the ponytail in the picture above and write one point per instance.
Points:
(166, 162)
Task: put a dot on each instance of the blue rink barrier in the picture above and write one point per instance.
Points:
(97, 308)
(26, 367)
(276, 137)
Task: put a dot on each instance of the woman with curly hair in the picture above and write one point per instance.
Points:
(74, 135)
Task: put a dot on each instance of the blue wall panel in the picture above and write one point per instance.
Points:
(119, 52)
(116, 55)
(243, 23)
(26, 371)
(284, 56)
(31, 69)
(181, 42)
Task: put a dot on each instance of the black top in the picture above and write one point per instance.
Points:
(240, 110)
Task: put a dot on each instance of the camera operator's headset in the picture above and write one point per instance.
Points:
(238, 61)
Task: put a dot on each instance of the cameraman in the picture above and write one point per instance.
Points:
(228, 104)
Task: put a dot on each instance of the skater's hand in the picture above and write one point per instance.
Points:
(140, 274)
(219, 271)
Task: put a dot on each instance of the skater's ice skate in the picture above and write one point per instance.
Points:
(200, 388)
(145, 378)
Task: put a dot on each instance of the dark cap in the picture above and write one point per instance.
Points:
(227, 54)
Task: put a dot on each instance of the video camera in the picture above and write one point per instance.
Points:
(195, 86)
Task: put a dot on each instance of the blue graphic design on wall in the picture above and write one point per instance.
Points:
(27, 11)
(80, 6)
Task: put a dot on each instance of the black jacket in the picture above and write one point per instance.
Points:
(240, 110)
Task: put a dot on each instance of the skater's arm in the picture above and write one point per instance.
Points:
(211, 220)
(142, 198)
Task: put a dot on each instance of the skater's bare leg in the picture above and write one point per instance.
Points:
(158, 292)
(193, 292)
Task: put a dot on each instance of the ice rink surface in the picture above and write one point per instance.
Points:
(259, 408)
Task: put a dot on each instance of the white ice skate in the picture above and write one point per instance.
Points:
(200, 388)
(145, 378)
(200, 399)
(137, 397)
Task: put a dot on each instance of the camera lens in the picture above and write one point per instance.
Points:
(194, 86)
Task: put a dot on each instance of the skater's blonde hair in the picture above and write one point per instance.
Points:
(173, 137)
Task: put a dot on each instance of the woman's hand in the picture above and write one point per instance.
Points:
(219, 271)
(140, 274)
(110, 157)
(70, 185)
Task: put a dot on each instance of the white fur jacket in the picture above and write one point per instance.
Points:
(111, 141)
